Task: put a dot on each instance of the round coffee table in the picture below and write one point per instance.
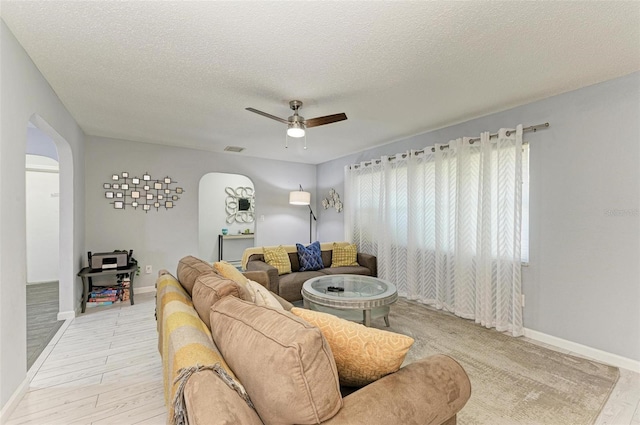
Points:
(342, 294)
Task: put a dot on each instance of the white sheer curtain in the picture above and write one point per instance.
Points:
(445, 225)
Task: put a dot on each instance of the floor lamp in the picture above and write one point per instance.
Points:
(300, 197)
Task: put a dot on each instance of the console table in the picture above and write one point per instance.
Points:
(87, 283)
(222, 238)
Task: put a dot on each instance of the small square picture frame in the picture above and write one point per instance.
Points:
(167, 191)
(108, 195)
(146, 187)
(115, 186)
(178, 190)
(156, 204)
(115, 177)
(119, 205)
(125, 175)
(134, 204)
(135, 194)
(174, 197)
(149, 196)
(146, 177)
(124, 186)
(168, 204)
(160, 197)
(167, 180)
(119, 195)
(135, 180)
(106, 186)
(157, 185)
(146, 207)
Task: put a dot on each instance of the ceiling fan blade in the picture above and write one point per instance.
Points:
(327, 119)
(264, 114)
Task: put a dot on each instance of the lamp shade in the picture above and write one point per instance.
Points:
(299, 197)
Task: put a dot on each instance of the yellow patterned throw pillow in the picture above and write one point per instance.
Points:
(278, 258)
(362, 354)
(344, 255)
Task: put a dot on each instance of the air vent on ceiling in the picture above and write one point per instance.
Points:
(233, 149)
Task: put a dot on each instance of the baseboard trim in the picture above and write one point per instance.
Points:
(13, 401)
(66, 315)
(144, 289)
(584, 350)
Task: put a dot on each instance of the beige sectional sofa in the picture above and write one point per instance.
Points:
(260, 364)
(289, 286)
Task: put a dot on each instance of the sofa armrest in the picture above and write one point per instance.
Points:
(207, 396)
(274, 280)
(369, 261)
(429, 391)
(258, 276)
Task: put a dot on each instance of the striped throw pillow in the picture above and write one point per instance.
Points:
(344, 255)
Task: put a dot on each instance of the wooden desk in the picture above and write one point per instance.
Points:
(87, 283)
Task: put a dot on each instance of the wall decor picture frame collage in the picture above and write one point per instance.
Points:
(145, 193)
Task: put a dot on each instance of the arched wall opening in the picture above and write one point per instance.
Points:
(225, 201)
(66, 231)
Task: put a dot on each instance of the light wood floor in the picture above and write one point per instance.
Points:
(42, 318)
(105, 369)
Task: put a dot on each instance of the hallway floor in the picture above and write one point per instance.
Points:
(42, 318)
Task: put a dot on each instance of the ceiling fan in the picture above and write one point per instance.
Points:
(297, 124)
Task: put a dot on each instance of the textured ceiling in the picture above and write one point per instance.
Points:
(181, 73)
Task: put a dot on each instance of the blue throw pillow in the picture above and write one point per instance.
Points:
(310, 257)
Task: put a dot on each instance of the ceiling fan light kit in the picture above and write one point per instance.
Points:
(296, 124)
(295, 130)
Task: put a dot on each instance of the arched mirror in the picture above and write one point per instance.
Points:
(226, 216)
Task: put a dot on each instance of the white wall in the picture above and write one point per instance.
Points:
(161, 238)
(26, 96)
(583, 282)
(43, 219)
(212, 216)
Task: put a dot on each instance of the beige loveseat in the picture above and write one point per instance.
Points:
(277, 368)
(289, 286)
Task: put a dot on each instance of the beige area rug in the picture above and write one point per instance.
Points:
(512, 381)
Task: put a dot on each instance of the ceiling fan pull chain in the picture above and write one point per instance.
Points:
(305, 141)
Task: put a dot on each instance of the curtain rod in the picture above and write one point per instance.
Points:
(531, 128)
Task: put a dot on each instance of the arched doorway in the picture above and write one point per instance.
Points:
(226, 201)
(66, 268)
(42, 195)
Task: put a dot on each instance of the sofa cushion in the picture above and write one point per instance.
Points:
(344, 255)
(208, 290)
(189, 268)
(347, 270)
(295, 263)
(310, 257)
(291, 378)
(290, 287)
(229, 271)
(362, 354)
(278, 258)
